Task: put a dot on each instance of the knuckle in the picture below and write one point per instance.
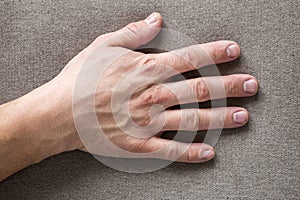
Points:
(232, 87)
(219, 118)
(192, 120)
(201, 90)
(152, 69)
(218, 53)
(189, 59)
(161, 65)
(170, 57)
(138, 146)
(139, 114)
(143, 120)
(192, 154)
(173, 152)
(152, 96)
(147, 59)
(132, 27)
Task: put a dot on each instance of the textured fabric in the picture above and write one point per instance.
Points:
(259, 161)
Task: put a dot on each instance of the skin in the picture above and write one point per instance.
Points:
(32, 130)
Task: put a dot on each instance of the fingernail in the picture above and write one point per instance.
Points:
(152, 19)
(233, 51)
(250, 86)
(205, 153)
(240, 117)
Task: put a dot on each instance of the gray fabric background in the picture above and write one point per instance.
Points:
(259, 161)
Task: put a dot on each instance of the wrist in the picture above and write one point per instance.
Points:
(50, 108)
(42, 122)
(36, 126)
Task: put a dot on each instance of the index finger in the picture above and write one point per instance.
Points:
(197, 56)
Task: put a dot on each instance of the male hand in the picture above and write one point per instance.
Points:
(46, 124)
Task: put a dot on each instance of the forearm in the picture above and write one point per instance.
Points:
(32, 128)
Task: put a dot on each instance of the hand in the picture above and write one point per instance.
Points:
(147, 71)
(52, 128)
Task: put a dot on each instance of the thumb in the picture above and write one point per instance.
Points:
(136, 34)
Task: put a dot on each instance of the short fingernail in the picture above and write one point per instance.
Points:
(240, 117)
(233, 51)
(205, 153)
(152, 19)
(250, 86)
